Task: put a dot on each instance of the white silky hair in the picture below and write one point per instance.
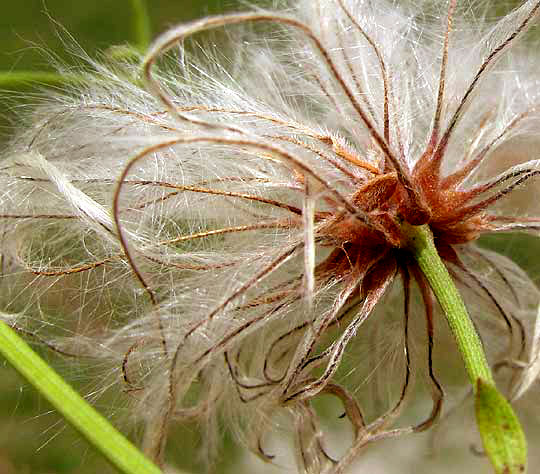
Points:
(184, 214)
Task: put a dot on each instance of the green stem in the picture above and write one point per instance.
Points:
(468, 341)
(142, 30)
(94, 427)
(23, 79)
(499, 427)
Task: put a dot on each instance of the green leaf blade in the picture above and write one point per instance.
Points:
(502, 436)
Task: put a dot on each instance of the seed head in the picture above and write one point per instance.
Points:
(222, 235)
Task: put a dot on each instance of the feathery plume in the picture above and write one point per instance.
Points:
(223, 236)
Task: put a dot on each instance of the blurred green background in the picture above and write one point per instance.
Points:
(32, 32)
(27, 27)
(32, 439)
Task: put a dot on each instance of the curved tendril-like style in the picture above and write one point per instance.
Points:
(374, 288)
(521, 175)
(437, 391)
(206, 139)
(480, 253)
(127, 379)
(382, 65)
(357, 84)
(376, 430)
(506, 318)
(519, 323)
(267, 270)
(247, 144)
(492, 58)
(185, 266)
(230, 337)
(49, 345)
(486, 292)
(318, 328)
(442, 76)
(329, 159)
(299, 219)
(240, 385)
(38, 216)
(176, 36)
(456, 178)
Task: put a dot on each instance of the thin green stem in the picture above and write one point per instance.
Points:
(501, 432)
(467, 339)
(142, 29)
(94, 427)
(16, 80)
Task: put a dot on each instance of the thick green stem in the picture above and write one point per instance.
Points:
(93, 426)
(499, 427)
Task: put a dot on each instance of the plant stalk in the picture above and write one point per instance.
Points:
(142, 30)
(93, 426)
(16, 80)
(501, 432)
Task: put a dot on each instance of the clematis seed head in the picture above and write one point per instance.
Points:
(228, 234)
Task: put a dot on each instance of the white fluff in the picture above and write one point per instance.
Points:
(180, 228)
